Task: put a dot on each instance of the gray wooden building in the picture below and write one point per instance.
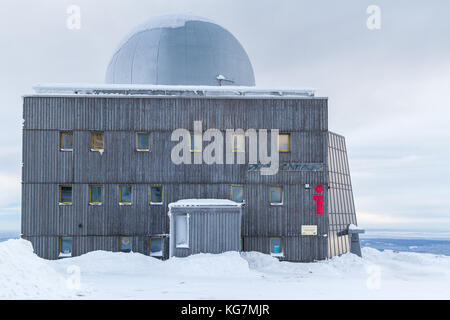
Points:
(97, 169)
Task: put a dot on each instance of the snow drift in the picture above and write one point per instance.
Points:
(23, 275)
(250, 275)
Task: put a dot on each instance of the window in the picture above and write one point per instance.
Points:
(143, 141)
(238, 142)
(65, 194)
(95, 195)
(125, 194)
(126, 244)
(276, 195)
(237, 194)
(66, 141)
(196, 142)
(284, 142)
(156, 246)
(182, 231)
(156, 195)
(97, 141)
(276, 246)
(65, 247)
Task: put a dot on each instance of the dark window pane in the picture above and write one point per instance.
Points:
(66, 140)
(143, 141)
(125, 194)
(275, 195)
(157, 195)
(276, 246)
(96, 194)
(125, 244)
(156, 245)
(66, 194)
(66, 245)
(238, 194)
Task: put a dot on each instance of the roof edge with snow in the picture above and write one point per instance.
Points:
(167, 90)
(189, 203)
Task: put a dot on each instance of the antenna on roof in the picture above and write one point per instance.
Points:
(222, 78)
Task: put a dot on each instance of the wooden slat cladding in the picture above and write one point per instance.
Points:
(168, 114)
(46, 167)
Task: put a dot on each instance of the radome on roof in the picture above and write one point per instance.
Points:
(98, 169)
(180, 50)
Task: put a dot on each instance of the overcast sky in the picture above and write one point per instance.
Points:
(388, 89)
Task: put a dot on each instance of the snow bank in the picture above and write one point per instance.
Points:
(209, 265)
(23, 275)
(231, 275)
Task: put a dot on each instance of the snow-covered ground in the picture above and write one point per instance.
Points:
(107, 275)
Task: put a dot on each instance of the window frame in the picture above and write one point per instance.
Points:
(191, 136)
(289, 142)
(162, 246)
(93, 133)
(282, 197)
(151, 196)
(62, 254)
(187, 245)
(120, 195)
(281, 253)
(243, 192)
(138, 134)
(94, 203)
(120, 244)
(235, 147)
(60, 194)
(61, 134)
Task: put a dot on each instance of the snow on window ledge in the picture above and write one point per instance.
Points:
(124, 204)
(277, 255)
(183, 246)
(65, 204)
(276, 204)
(98, 150)
(156, 254)
(156, 203)
(95, 204)
(64, 255)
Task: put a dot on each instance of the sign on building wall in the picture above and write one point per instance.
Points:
(309, 230)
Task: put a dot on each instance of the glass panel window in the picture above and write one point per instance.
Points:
(156, 246)
(276, 195)
(95, 194)
(65, 194)
(182, 231)
(126, 244)
(284, 142)
(238, 142)
(276, 246)
(65, 246)
(237, 193)
(126, 194)
(143, 141)
(66, 141)
(156, 195)
(97, 141)
(196, 142)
